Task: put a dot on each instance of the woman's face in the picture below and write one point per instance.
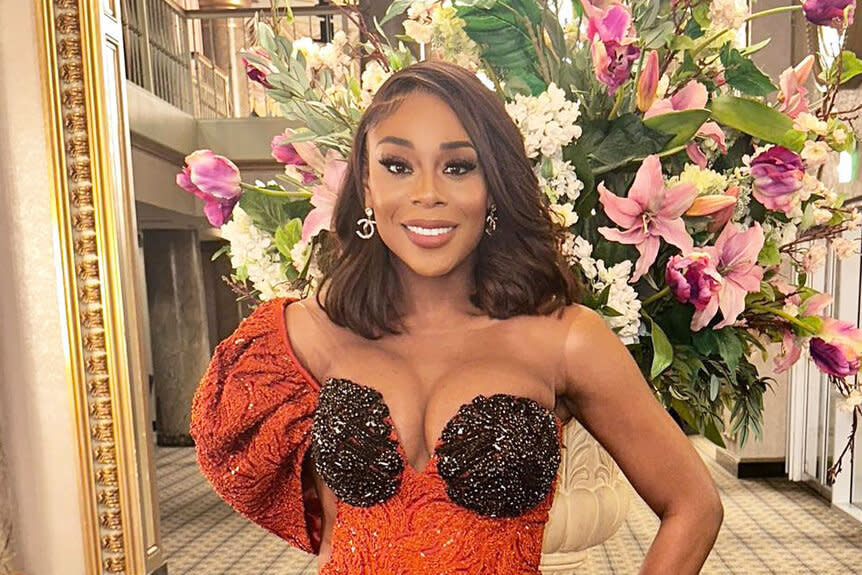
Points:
(425, 186)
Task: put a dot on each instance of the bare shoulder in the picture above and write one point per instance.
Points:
(309, 330)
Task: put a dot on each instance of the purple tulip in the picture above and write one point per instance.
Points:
(832, 358)
(693, 279)
(829, 12)
(777, 174)
(257, 72)
(286, 153)
(215, 180)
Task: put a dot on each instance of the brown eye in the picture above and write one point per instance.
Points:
(463, 168)
(397, 164)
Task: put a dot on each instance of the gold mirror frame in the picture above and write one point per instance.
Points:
(93, 210)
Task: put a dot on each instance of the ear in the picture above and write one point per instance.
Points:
(366, 200)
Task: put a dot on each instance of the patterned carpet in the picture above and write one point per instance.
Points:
(770, 526)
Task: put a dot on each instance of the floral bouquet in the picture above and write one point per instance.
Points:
(688, 180)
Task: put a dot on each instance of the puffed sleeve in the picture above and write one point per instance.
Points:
(251, 420)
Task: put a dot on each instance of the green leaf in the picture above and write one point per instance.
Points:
(705, 342)
(714, 385)
(769, 255)
(681, 126)
(730, 348)
(396, 8)
(662, 349)
(758, 120)
(754, 48)
(743, 74)
(503, 31)
(657, 36)
(851, 67)
(287, 235)
(628, 139)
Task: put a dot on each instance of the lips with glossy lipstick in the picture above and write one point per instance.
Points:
(429, 233)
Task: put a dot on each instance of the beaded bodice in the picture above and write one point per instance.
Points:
(498, 454)
(478, 507)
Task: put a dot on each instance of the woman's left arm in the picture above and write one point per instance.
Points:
(607, 393)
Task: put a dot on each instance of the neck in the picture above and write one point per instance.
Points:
(437, 303)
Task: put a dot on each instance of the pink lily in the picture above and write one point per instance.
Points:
(650, 212)
(324, 197)
(692, 96)
(735, 258)
(793, 91)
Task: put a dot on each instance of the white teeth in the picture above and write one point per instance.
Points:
(430, 231)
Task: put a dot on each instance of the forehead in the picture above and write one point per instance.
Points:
(420, 117)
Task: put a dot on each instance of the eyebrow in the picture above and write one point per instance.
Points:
(408, 144)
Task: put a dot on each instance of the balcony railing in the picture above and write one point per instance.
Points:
(190, 58)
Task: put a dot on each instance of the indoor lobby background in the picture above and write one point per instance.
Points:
(191, 94)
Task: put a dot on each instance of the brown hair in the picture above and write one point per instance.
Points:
(519, 268)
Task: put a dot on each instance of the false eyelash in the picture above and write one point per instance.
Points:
(387, 161)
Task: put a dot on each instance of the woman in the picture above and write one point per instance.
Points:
(428, 380)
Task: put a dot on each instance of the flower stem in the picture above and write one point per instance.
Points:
(656, 296)
(784, 315)
(275, 193)
(772, 11)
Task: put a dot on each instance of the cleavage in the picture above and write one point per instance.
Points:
(400, 446)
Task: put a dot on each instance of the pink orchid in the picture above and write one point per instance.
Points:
(613, 49)
(215, 180)
(793, 91)
(692, 96)
(735, 258)
(324, 197)
(651, 211)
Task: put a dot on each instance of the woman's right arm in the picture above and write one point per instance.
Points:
(251, 422)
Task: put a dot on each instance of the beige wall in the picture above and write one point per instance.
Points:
(35, 404)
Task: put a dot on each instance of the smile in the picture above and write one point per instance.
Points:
(429, 237)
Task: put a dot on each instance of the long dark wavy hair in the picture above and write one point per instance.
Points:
(519, 268)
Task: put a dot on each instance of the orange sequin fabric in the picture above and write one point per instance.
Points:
(252, 417)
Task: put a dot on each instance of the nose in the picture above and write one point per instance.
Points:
(425, 190)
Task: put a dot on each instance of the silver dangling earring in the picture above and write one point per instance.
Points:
(491, 220)
(367, 223)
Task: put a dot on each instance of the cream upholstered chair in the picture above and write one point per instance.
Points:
(590, 504)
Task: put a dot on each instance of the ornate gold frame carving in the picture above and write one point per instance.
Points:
(93, 208)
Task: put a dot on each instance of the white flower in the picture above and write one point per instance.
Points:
(299, 254)
(557, 178)
(546, 121)
(839, 134)
(854, 220)
(806, 122)
(821, 215)
(621, 297)
(814, 258)
(422, 33)
(565, 214)
(852, 401)
(815, 153)
(419, 9)
(253, 249)
(844, 248)
(728, 14)
(706, 181)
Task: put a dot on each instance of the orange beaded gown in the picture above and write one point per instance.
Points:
(479, 506)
